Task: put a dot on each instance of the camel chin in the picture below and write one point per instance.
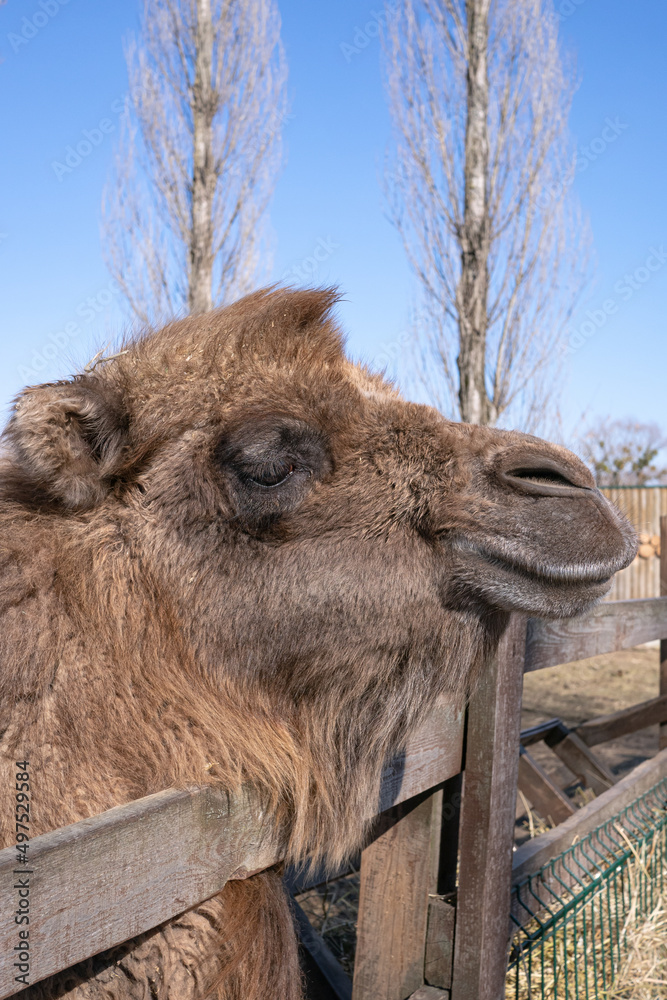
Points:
(512, 577)
(515, 588)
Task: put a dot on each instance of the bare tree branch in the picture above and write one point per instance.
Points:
(623, 452)
(184, 212)
(479, 186)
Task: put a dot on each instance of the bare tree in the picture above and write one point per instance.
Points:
(479, 187)
(623, 452)
(184, 211)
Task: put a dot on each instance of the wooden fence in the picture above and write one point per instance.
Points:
(423, 932)
(644, 506)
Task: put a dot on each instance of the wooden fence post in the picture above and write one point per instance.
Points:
(398, 872)
(663, 642)
(487, 823)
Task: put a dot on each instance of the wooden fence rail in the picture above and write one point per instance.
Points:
(101, 881)
(107, 879)
(610, 626)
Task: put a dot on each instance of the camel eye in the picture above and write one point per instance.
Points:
(269, 467)
(272, 475)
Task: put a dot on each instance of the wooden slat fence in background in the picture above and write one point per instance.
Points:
(643, 506)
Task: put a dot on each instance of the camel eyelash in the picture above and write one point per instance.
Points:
(271, 475)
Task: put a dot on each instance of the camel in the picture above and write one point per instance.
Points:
(230, 556)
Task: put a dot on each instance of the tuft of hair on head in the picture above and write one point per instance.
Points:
(290, 322)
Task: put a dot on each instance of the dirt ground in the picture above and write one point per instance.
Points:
(573, 692)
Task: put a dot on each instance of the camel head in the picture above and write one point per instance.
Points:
(297, 510)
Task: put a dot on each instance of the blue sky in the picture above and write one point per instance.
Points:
(57, 305)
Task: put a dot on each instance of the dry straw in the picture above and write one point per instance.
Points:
(611, 945)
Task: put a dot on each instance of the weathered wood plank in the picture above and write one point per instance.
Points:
(101, 881)
(432, 755)
(398, 872)
(487, 823)
(627, 720)
(430, 993)
(530, 857)
(610, 626)
(582, 762)
(547, 799)
(439, 943)
(105, 880)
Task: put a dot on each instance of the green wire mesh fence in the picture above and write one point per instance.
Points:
(573, 917)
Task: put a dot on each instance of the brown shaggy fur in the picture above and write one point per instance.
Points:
(232, 556)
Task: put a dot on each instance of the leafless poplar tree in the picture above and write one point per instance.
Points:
(479, 187)
(199, 150)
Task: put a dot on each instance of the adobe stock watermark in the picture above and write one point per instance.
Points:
(277, 120)
(392, 351)
(32, 24)
(364, 34)
(566, 8)
(586, 155)
(304, 270)
(85, 312)
(90, 139)
(624, 288)
(613, 127)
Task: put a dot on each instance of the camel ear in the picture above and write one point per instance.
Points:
(67, 439)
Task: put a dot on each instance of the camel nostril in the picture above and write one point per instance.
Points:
(532, 471)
